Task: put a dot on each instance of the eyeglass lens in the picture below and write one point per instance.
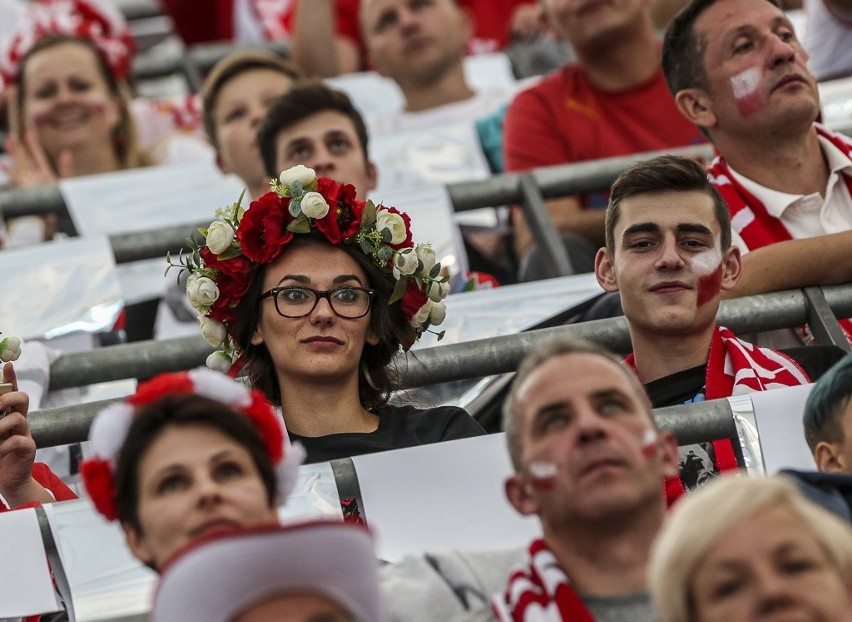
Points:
(347, 302)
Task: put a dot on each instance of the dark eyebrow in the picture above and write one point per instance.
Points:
(304, 279)
(690, 227)
(642, 227)
(343, 278)
(650, 227)
(299, 278)
(607, 393)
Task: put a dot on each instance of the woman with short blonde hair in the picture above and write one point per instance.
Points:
(741, 545)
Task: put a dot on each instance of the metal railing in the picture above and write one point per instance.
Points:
(472, 359)
(529, 190)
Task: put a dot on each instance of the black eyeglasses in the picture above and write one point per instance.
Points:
(347, 302)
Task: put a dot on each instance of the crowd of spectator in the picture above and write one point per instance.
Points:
(309, 285)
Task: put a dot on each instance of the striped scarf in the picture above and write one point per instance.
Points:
(540, 592)
(735, 367)
(749, 217)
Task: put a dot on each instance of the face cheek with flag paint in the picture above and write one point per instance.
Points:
(708, 267)
(746, 90)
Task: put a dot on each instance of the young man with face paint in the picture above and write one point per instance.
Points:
(738, 72)
(669, 254)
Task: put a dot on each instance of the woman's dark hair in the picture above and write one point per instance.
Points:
(125, 138)
(375, 379)
(177, 411)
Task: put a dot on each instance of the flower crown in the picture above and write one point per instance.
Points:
(110, 427)
(10, 349)
(301, 203)
(101, 24)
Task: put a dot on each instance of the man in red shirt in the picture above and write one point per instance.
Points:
(493, 22)
(612, 102)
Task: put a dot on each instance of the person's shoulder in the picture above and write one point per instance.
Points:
(439, 423)
(550, 85)
(815, 360)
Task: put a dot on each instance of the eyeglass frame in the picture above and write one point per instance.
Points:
(319, 294)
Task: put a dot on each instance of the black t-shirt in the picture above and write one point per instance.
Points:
(698, 462)
(399, 426)
(687, 386)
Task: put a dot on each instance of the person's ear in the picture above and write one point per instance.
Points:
(605, 270)
(732, 270)
(372, 175)
(257, 336)
(138, 544)
(829, 458)
(669, 456)
(518, 492)
(696, 106)
(221, 164)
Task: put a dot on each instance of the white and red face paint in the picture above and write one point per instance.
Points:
(708, 267)
(746, 89)
(542, 473)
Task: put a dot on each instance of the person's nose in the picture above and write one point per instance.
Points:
(773, 591)
(208, 490)
(669, 255)
(323, 314)
(322, 162)
(408, 20)
(588, 424)
(256, 115)
(782, 51)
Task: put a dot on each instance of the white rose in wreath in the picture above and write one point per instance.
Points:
(426, 254)
(219, 361)
(422, 315)
(213, 331)
(314, 205)
(393, 223)
(219, 237)
(201, 291)
(300, 173)
(10, 349)
(405, 262)
(438, 313)
(438, 290)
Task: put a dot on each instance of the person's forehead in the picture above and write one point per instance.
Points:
(251, 82)
(668, 210)
(723, 17)
(575, 376)
(76, 58)
(317, 126)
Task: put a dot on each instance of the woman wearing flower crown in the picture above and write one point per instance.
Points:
(189, 454)
(312, 292)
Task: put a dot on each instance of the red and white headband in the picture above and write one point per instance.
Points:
(109, 430)
(98, 22)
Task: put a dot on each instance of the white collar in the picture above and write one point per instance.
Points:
(775, 201)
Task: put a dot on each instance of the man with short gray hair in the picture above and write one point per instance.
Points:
(589, 462)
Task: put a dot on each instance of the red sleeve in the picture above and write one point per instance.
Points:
(347, 23)
(44, 476)
(530, 135)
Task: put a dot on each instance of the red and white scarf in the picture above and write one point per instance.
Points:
(735, 367)
(749, 216)
(541, 591)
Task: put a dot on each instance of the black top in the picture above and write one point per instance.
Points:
(698, 462)
(399, 426)
(687, 386)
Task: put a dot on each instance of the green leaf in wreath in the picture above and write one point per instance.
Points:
(300, 225)
(398, 291)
